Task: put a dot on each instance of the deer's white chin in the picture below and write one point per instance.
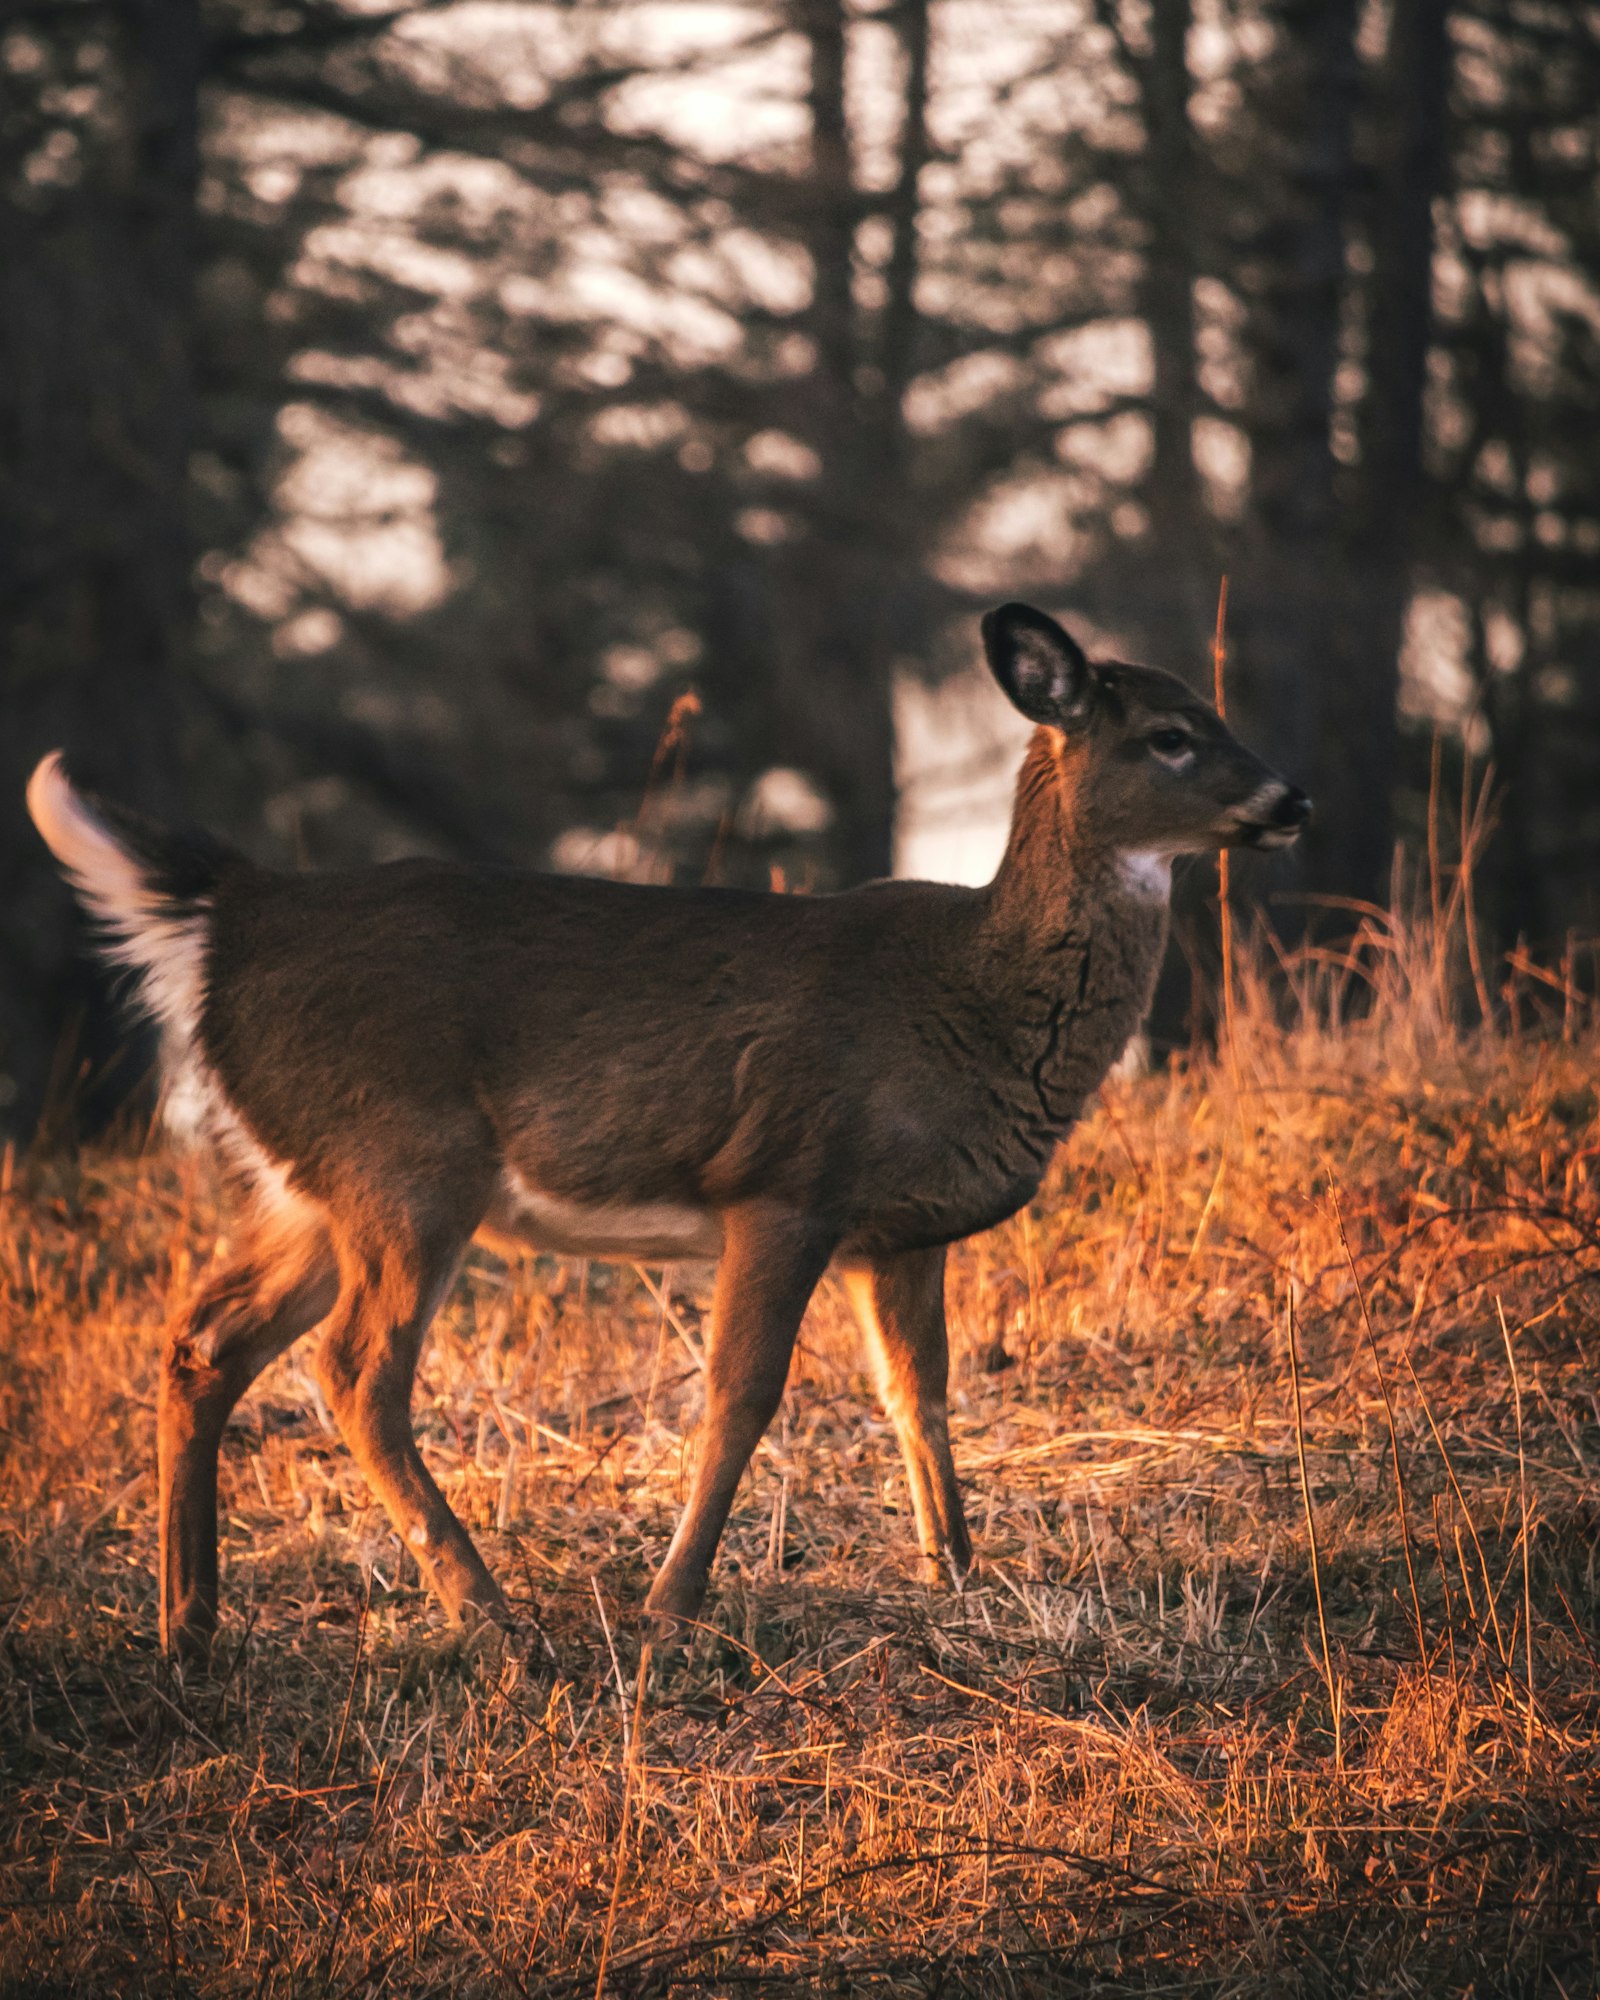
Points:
(1266, 839)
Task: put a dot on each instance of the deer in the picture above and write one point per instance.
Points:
(389, 1059)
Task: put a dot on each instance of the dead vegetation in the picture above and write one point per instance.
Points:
(1154, 1747)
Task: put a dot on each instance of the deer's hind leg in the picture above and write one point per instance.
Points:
(245, 1316)
(900, 1304)
(392, 1281)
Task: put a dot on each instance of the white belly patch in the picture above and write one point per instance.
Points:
(643, 1231)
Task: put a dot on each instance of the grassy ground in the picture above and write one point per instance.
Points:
(1122, 1760)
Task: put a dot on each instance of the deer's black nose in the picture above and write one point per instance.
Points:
(1294, 808)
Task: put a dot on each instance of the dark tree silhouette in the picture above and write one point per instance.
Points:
(97, 225)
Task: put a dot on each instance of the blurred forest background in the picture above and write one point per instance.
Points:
(401, 407)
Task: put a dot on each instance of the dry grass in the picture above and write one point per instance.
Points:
(1119, 1761)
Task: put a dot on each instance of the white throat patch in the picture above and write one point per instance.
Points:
(1145, 875)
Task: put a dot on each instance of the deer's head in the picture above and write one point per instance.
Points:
(1156, 769)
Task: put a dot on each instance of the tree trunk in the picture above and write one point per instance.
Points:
(1185, 582)
(847, 618)
(1291, 599)
(1411, 166)
(95, 272)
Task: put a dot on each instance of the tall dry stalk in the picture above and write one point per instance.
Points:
(632, 1739)
(666, 774)
(1219, 661)
(1311, 1527)
(1522, 1501)
(1474, 828)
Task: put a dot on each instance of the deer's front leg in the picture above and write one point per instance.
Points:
(900, 1304)
(771, 1261)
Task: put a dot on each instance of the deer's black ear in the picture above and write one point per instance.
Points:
(1043, 670)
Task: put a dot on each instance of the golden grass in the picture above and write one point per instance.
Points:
(1110, 1764)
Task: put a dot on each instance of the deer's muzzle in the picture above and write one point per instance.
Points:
(1279, 824)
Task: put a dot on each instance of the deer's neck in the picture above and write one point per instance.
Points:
(1059, 871)
(1074, 926)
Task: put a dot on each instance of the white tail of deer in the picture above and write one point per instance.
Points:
(393, 1057)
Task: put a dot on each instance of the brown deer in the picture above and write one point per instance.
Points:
(392, 1057)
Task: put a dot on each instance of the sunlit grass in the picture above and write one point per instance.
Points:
(1109, 1764)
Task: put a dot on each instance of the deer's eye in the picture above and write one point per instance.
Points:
(1170, 743)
